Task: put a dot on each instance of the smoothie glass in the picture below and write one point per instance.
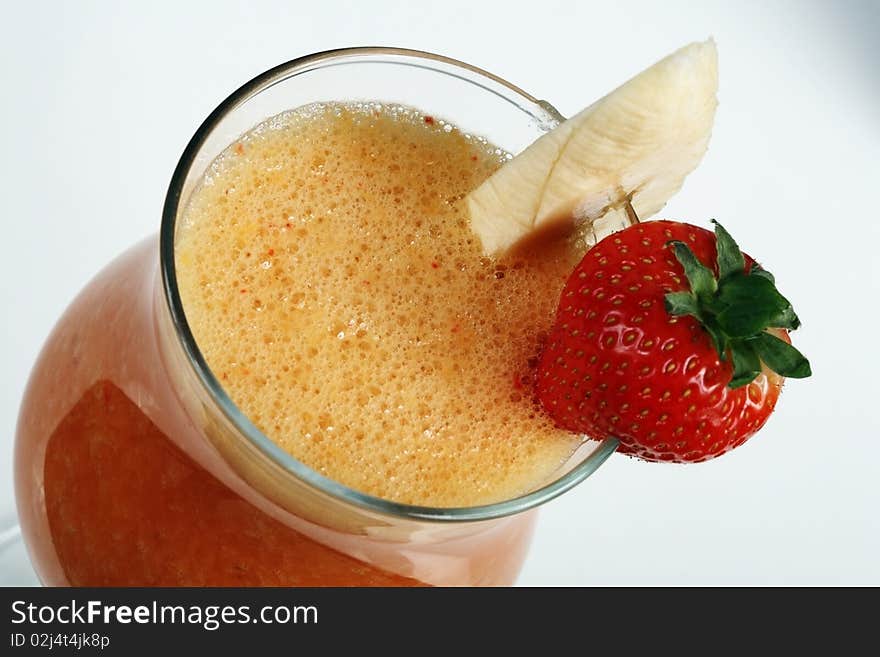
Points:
(133, 466)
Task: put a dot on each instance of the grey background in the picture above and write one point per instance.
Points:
(100, 98)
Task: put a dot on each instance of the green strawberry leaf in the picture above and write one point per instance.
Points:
(749, 305)
(730, 258)
(758, 270)
(785, 319)
(719, 337)
(736, 309)
(701, 278)
(746, 363)
(682, 303)
(781, 357)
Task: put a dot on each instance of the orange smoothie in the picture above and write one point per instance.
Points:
(332, 282)
(331, 279)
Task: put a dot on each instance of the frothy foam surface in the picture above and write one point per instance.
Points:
(333, 284)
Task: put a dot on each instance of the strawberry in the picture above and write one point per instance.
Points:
(670, 339)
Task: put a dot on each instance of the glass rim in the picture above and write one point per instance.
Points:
(289, 464)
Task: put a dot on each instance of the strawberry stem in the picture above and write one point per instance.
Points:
(631, 213)
(736, 309)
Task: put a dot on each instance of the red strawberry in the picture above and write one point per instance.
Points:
(661, 340)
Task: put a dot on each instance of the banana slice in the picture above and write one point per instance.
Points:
(638, 143)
